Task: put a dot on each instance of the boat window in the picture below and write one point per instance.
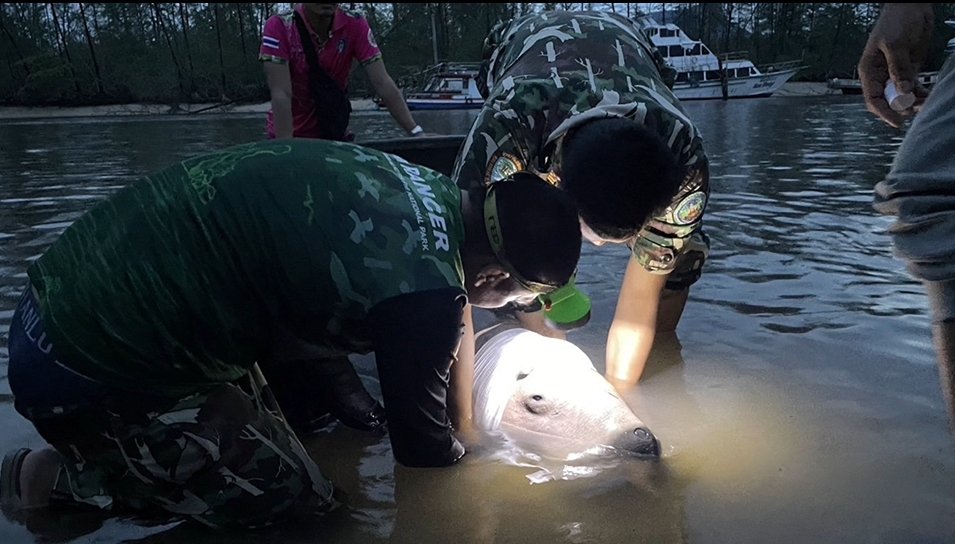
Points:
(743, 72)
(712, 75)
(663, 51)
(682, 77)
(706, 50)
(667, 33)
(695, 50)
(696, 76)
(676, 50)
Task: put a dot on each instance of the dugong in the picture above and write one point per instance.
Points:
(545, 396)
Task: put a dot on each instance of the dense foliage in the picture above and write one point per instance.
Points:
(98, 53)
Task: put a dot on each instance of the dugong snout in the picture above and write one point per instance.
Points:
(640, 442)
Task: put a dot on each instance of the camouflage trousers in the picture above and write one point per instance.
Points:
(224, 457)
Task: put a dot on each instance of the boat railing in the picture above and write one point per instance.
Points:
(449, 68)
(770, 67)
(782, 66)
(418, 81)
(733, 55)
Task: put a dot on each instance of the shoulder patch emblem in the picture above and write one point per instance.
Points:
(501, 166)
(690, 208)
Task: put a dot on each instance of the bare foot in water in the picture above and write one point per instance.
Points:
(37, 476)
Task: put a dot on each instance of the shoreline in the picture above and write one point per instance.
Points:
(12, 113)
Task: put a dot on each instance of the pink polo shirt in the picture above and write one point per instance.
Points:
(351, 39)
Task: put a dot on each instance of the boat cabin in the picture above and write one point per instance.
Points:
(692, 59)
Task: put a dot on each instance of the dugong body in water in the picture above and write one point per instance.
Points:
(545, 395)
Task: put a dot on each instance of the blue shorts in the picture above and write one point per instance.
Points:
(39, 382)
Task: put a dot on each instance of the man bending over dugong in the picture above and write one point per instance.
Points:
(133, 350)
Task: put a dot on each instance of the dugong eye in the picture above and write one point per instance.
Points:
(536, 404)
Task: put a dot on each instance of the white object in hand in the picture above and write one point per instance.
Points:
(898, 101)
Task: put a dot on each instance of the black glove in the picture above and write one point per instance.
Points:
(313, 393)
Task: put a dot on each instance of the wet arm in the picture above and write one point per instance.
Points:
(390, 94)
(944, 336)
(462, 378)
(280, 92)
(634, 325)
(416, 337)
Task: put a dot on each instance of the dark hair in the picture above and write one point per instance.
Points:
(619, 173)
(540, 227)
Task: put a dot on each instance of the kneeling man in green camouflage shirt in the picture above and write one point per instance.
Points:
(143, 346)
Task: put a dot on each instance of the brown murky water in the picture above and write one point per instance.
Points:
(797, 402)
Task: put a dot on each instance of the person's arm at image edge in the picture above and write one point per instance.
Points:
(895, 49)
(462, 378)
(390, 94)
(274, 54)
(631, 334)
(280, 93)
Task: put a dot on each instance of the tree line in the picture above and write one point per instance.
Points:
(104, 53)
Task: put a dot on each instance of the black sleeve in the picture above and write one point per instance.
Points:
(416, 337)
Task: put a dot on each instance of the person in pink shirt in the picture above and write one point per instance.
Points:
(338, 37)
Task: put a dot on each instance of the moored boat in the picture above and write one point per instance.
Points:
(446, 86)
(702, 75)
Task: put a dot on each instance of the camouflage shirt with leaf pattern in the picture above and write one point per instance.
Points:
(181, 278)
(544, 74)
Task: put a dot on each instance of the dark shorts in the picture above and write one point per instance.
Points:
(41, 385)
(222, 456)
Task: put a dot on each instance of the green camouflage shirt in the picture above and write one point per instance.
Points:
(546, 73)
(181, 278)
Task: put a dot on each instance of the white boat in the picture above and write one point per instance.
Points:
(447, 86)
(700, 72)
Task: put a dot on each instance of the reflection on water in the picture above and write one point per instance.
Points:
(797, 402)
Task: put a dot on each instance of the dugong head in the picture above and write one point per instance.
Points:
(545, 395)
